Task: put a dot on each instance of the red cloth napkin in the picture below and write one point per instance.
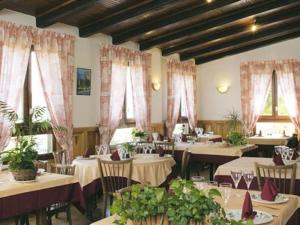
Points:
(278, 160)
(247, 211)
(296, 155)
(160, 151)
(87, 153)
(269, 190)
(115, 156)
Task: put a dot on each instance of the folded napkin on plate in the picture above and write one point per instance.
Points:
(278, 160)
(160, 151)
(183, 138)
(247, 210)
(87, 153)
(115, 156)
(269, 190)
(296, 155)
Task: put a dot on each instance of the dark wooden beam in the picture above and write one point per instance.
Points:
(239, 28)
(263, 43)
(226, 18)
(125, 14)
(54, 15)
(269, 31)
(203, 7)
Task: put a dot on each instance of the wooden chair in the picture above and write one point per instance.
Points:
(283, 176)
(115, 175)
(185, 164)
(166, 146)
(57, 208)
(102, 149)
(59, 157)
(139, 146)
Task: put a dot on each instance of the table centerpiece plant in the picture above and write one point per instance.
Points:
(184, 204)
(22, 157)
(234, 124)
(128, 149)
(138, 135)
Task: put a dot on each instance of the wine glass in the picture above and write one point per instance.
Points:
(291, 153)
(248, 177)
(277, 150)
(226, 192)
(199, 181)
(236, 176)
(212, 184)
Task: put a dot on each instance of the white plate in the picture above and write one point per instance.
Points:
(260, 218)
(280, 198)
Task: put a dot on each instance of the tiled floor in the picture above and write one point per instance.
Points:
(77, 217)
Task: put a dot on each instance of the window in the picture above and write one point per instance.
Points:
(128, 109)
(274, 119)
(33, 96)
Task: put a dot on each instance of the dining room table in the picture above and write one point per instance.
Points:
(208, 137)
(223, 173)
(22, 197)
(279, 214)
(214, 153)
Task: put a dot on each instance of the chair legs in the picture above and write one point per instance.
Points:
(105, 198)
(69, 218)
(22, 220)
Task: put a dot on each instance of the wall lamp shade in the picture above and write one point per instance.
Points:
(156, 86)
(222, 89)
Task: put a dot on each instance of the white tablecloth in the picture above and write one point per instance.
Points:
(146, 169)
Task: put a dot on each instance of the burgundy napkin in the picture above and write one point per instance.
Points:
(183, 138)
(278, 160)
(87, 153)
(161, 151)
(247, 211)
(269, 190)
(219, 139)
(296, 155)
(160, 137)
(115, 156)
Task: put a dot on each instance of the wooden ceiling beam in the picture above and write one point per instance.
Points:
(261, 33)
(226, 18)
(98, 26)
(54, 15)
(203, 7)
(263, 43)
(240, 28)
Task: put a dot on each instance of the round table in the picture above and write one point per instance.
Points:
(146, 169)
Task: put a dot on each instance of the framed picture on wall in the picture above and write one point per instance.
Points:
(83, 81)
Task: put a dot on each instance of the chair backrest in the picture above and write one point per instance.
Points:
(148, 149)
(166, 146)
(185, 160)
(102, 149)
(59, 157)
(283, 176)
(63, 169)
(115, 175)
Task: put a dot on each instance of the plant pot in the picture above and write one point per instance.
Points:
(24, 174)
(153, 220)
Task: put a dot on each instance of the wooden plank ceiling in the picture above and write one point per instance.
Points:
(201, 29)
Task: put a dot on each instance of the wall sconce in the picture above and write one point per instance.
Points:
(223, 88)
(156, 85)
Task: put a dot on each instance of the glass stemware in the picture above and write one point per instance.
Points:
(199, 181)
(236, 176)
(248, 177)
(226, 192)
(291, 153)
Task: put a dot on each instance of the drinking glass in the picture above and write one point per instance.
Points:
(212, 184)
(291, 153)
(226, 192)
(236, 177)
(277, 150)
(248, 177)
(199, 181)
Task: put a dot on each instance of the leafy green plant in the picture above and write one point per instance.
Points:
(233, 120)
(184, 204)
(128, 147)
(236, 138)
(138, 133)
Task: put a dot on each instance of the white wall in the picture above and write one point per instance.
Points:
(86, 108)
(214, 106)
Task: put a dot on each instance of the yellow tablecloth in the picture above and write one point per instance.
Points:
(281, 212)
(146, 169)
(9, 187)
(247, 163)
(268, 140)
(215, 149)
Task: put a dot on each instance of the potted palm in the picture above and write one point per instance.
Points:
(138, 135)
(234, 124)
(22, 157)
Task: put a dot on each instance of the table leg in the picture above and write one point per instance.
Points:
(41, 217)
(211, 171)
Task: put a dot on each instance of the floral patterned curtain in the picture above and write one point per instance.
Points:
(15, 44)
(55, 56)
(180, 76)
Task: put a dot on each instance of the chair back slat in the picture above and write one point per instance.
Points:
(59, 157)
(185, 164)
(283, 176)
(114, 173)
(166, 146)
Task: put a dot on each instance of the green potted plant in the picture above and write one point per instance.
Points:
(22, 157)
(138, 135)
(182, 205)
(236, 138)
(234, 125)
(128, 148)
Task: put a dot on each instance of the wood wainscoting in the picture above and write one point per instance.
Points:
(87, 137)
(217, 126)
